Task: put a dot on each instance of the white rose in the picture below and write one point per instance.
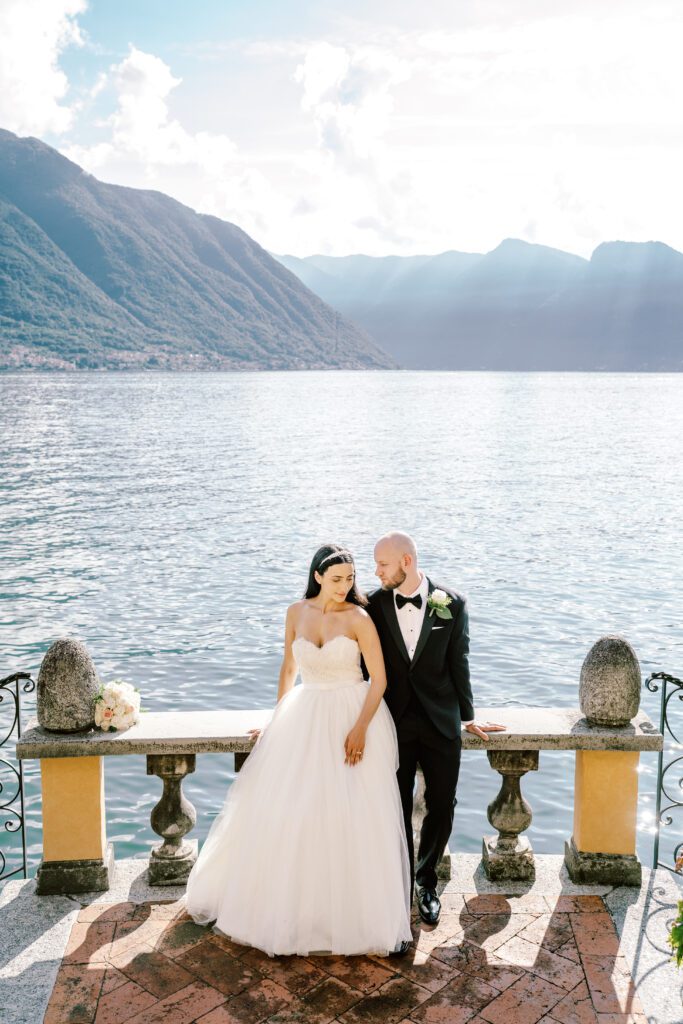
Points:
(118, 706)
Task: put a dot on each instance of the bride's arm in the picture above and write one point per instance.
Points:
(288, 669)
(368, 641)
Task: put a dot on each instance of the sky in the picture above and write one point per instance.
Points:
(377, 127)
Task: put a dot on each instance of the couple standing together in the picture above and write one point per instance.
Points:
(312, 850)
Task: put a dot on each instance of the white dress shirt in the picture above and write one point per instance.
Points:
(411, 619)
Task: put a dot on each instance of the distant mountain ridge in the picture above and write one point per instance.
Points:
(519, 307)
(99, 276)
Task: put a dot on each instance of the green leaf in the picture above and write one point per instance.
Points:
(676, 936)
(443, 613)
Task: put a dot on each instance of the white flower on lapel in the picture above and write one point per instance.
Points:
(438, 602)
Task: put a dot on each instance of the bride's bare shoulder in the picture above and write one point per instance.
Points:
(295, 609)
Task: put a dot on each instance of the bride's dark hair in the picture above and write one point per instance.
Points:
(327, 555)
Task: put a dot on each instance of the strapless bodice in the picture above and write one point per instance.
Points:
(336, 663)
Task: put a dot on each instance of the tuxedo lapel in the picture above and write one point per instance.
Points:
(389, 609)
(427, 624)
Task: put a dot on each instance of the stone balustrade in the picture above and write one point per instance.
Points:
(78, 858)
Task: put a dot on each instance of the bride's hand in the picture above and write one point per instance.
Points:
(354, 745)
(254, 733)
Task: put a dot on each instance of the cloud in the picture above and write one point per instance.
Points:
(348, 92)
(579, 68)
(146, 147)
(277, 200)
(33, 35)
(552, 128)
(562, 128)
(141, 128)
(351, 178)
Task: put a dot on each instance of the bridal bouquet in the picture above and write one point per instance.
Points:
(117, 706)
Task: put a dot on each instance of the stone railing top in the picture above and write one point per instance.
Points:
(214, 731)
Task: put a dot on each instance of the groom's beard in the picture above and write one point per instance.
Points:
(395, 581)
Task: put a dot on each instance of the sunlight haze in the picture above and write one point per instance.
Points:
(376, 128)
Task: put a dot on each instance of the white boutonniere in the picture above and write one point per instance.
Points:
(438, 602)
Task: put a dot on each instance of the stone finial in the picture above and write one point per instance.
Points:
(67, 686)
(609, 690)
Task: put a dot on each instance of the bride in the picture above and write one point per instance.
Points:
(308, 852)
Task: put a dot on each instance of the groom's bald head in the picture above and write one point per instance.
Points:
(399, 544)
(396, 560)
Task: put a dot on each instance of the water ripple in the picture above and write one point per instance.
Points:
(168, 519)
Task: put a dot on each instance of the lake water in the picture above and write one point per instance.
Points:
(168, 519)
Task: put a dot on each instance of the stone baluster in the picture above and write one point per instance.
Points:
(508, 856)
(174, 816)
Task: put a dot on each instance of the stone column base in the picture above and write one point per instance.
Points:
(443, 868)
(508, 865)
(172, 870)
(63, 877)
(602, 868)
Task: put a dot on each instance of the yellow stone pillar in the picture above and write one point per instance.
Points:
(76, 856)
(603, 844)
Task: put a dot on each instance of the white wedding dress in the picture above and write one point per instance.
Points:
(308, 854)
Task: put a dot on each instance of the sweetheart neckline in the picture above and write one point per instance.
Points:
(319, 648)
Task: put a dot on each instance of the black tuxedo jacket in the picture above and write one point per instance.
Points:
(439, 672)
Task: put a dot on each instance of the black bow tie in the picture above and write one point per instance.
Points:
(416, 600)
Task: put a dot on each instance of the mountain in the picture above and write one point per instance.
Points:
(98, 276)
(519, 307)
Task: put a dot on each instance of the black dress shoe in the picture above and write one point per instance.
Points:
(402, 949)
(428, 905)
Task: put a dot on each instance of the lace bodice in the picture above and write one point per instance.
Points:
(336, 663)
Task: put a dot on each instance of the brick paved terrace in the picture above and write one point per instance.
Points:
(523, 939)
(491, 958)
(542, 954)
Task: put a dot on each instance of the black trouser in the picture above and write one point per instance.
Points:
(420, 742)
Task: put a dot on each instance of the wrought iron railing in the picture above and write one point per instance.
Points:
(669, 774)
(11, 819)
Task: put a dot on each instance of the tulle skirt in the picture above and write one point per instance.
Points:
(308, 854)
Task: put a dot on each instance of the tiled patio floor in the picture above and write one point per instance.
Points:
(491, 960)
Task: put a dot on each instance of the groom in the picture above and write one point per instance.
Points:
(423, 630)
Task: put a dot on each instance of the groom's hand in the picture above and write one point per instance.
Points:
(480, 729)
